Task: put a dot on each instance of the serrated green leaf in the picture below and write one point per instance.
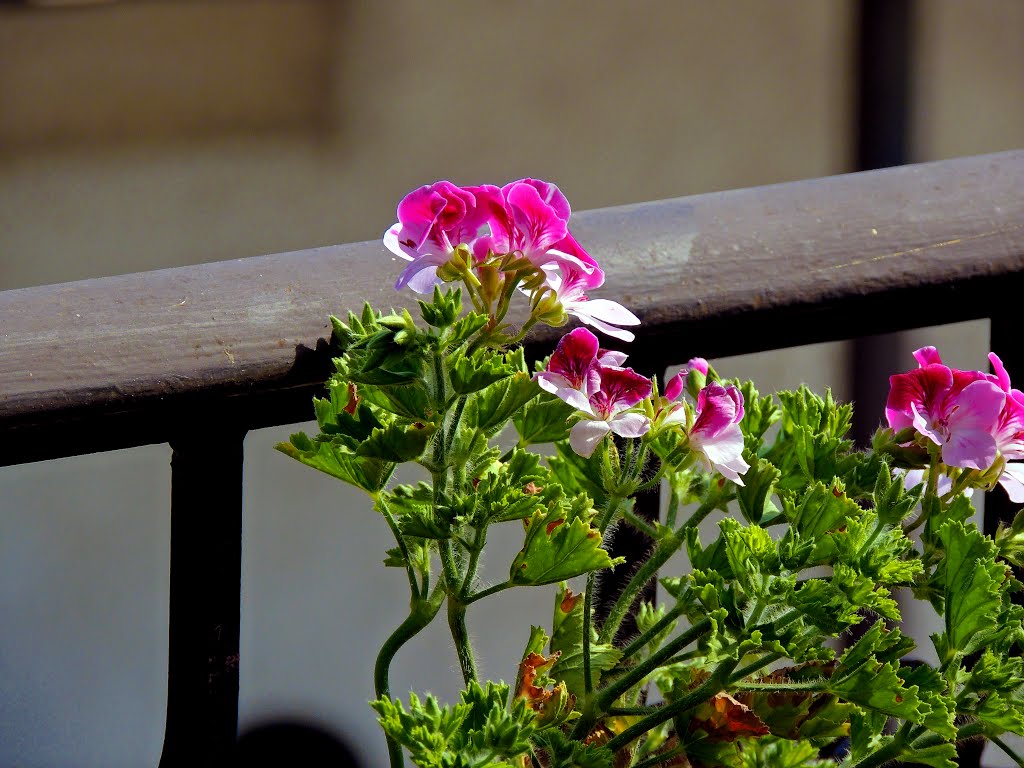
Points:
(754, 496)
(491, 408)
(368, 473)
(397, 443)
(971, 581)
(556, 550)
(543, 420)
(477, 371)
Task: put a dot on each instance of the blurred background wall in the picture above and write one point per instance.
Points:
(140, 135)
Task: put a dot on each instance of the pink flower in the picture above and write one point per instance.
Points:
(570, 284)
(620, 389)
(955, 409)
(574, 365)
(1009, 432)
(715, 435)
(534, 221)
(432, 221)
(677, 384)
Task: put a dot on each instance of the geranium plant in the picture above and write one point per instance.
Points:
(815, 540)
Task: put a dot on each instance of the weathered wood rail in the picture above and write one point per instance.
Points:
(169, 355)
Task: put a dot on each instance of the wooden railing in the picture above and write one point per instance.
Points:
(179, 354)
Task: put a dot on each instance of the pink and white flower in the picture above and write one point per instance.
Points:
(570, 285)
(715, 435)
(954, 409)
(574, 365)
(432, 222)
(677, 384)
(1009, 433)
(608, 408)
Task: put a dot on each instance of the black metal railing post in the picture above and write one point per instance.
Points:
(627, 541)
(206, 562)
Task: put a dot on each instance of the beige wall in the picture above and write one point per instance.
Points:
(148, 134)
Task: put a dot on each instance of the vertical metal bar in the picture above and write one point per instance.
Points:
(630, 543)
(884, 58)
(206, 563)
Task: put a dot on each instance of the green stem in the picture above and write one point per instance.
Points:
(474, 559)
(460, 406)
(770, 687)
(402, 546)
(639, 642)
(633, 519)
(422, 614)
(588, 597)
(683, 704)
(487, 592)
(755, 666)
(667, 547)
(606, 696)
(457, 613)
(633, 711)
(661, 758)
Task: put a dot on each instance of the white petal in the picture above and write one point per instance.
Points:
(631, 425)
(611, 330)
(391, 242)
(576, 399)
(610, 312)
(585, 436)
(1012, 480)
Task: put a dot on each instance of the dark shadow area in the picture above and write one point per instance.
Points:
(292, 743)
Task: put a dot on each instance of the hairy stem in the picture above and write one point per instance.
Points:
(665, 549)
(402, 546)
(421, 615)
(613, 503)
(606, 696)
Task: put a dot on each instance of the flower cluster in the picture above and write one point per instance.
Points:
(974, 418)
(517, 236)
(594, 382)
(494, 238)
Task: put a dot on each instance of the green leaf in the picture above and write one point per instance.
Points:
(515, 489)
(865, 677)
(932, 690)
(397, 443)
(564, 752)
(472, 373)
(971, 581)
(759, 413)
(410, 400)
(567, 641)
(557, 549)
(754, 496)
(892, 502)
(463, 328)
(545, 419)
(1001, 713)
(368, 473)
(753, 556)
(780, 753)
(444, 309)
(491, 408)
(1010, 540)
(820, 510)
(474, 733)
